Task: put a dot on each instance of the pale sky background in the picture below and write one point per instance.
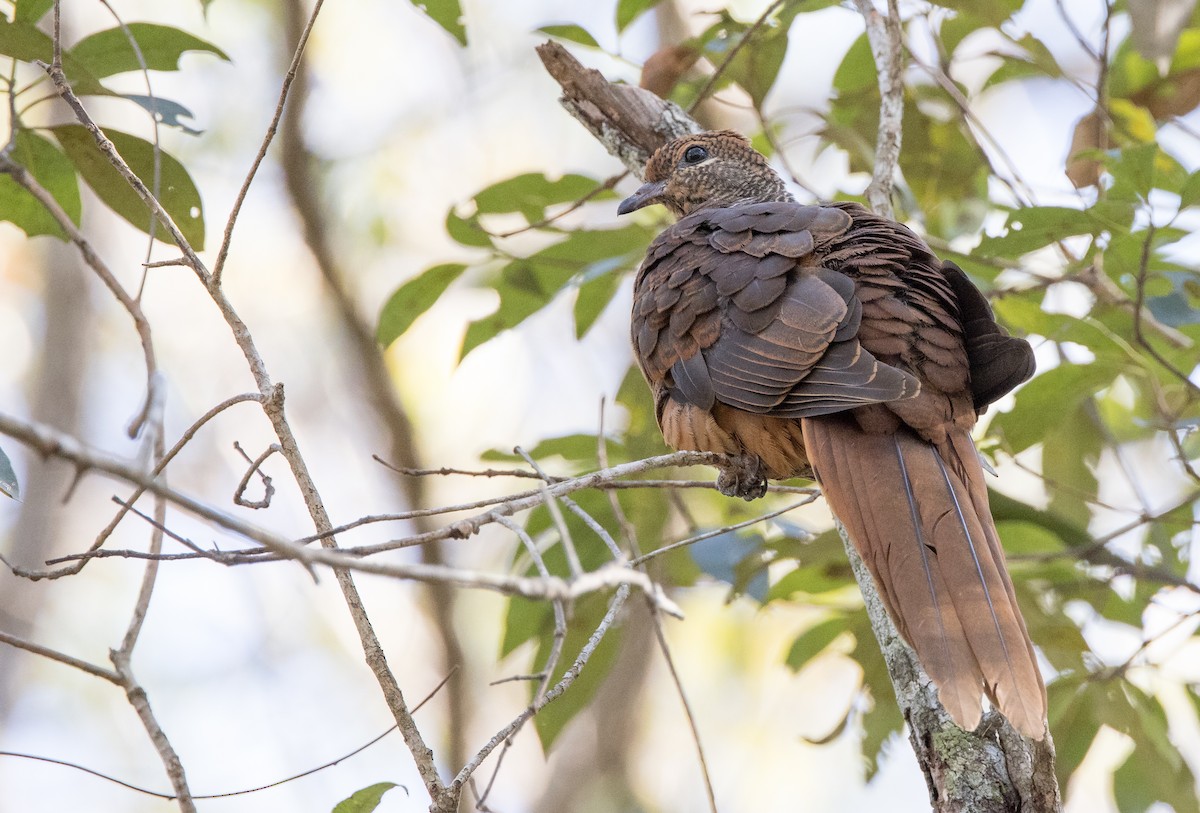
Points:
(256, 673)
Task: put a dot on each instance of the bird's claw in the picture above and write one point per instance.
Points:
(742, 476)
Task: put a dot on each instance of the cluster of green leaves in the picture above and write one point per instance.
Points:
(586, 263)
(59, 157)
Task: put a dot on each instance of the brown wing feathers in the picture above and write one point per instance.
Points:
(742, 316)
(790, 335)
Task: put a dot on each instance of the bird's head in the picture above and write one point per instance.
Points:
(703, 171)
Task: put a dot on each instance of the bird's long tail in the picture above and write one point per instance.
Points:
(918, 515)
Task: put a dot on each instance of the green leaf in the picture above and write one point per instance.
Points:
(1027, 316)
(576, 448)
(756, 65)
(24, 41)
(467, 231)
(412, 299)
(1137, 783)
(8, 478)
(1154, 772)
(1133, 172)
(940, 162)
(993, 12)
(1075, 721)
(630, 10)
(367, 799)
(47, 164)
(1037, 61)
(1024, 538)
(177, 193)
(883, 720)
(856, 71)
(1190, 194)
(525, 620)
(595, 292)
(1036, 227)
(571, 33)
(821, 568)
(30, 11)
(1048, 400)
(446, 13)
(1070, 451)
(1006, 509)
(164, 111)
(532, 192)
(956, 28)
(813, 641)
(109, 52)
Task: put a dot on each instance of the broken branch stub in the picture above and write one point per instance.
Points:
(629, 121)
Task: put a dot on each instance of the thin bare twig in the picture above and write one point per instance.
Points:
(691, 540)
(61, 657)
(50, 442)
(543, 677)
(239, 496)
(285, 88)
(445, 470)
(184, 439)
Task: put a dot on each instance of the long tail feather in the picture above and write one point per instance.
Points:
(918, 516)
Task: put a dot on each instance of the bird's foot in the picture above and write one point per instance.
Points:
(742, 476)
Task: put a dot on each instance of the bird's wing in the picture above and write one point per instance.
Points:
(733, 306)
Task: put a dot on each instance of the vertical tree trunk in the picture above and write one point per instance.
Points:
(56, 396)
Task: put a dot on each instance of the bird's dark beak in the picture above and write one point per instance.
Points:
(647, 194)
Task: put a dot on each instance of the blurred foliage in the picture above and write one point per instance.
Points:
(9, 486)
(1122, 383)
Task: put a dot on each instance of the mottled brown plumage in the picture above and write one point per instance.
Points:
(828, 340)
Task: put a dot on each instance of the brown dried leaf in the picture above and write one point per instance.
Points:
(1177, 95)
(666, 67)
(1091, 133)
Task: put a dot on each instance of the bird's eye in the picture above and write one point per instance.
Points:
(695, 154)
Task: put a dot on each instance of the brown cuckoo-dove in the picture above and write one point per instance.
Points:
(826, 341)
